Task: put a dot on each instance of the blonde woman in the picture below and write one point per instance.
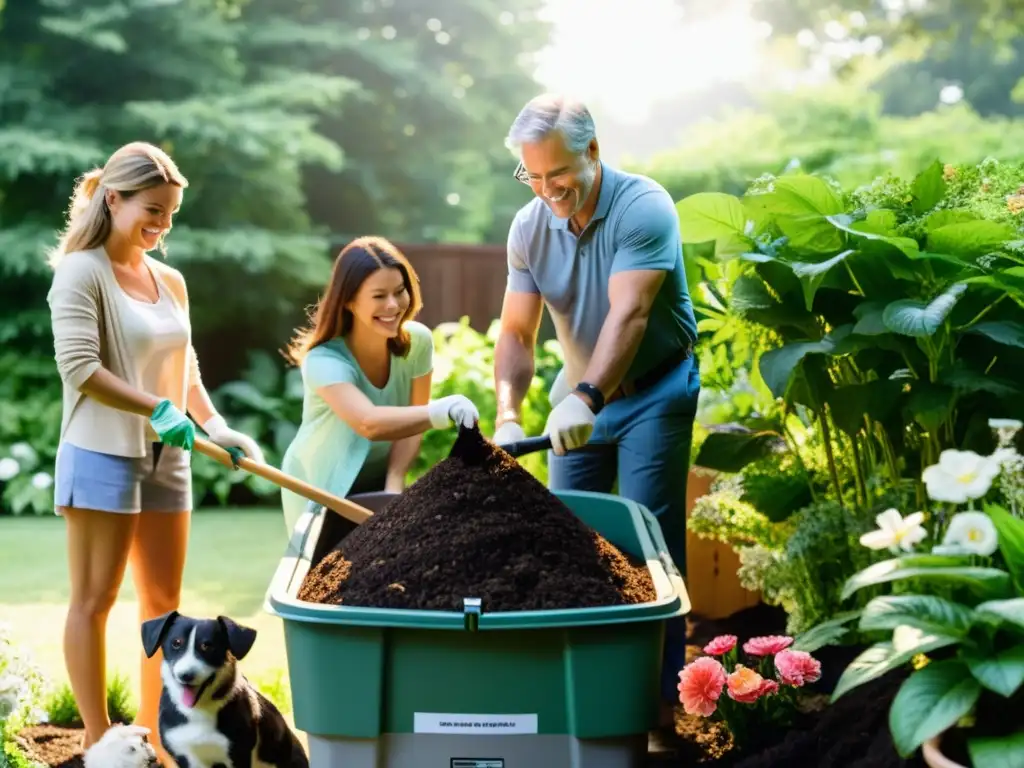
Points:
(123, 347)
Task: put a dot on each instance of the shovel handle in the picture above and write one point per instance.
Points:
(540, 443)
(347, 509)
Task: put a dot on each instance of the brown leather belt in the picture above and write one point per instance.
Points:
(653, 376)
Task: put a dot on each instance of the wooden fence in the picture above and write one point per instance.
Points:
(459, 280)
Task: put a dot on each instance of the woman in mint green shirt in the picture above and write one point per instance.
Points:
(366, 370)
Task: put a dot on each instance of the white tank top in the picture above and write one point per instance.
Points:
(152, 331)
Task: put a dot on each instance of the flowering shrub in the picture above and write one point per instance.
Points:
(749, 697)
(977, 556)
(21, 690)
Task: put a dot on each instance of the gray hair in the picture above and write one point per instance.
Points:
(547, 113)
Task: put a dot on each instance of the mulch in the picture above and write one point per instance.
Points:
(477, 525)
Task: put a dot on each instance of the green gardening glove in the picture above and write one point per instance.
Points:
(172, 426)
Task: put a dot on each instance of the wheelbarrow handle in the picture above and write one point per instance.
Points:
(347, 509)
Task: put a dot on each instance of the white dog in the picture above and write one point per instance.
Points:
(122, 746)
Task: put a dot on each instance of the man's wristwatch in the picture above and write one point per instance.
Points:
(593, 393)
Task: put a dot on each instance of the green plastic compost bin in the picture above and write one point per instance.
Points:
(385, 688)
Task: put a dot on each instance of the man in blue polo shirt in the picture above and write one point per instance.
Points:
(601, 248)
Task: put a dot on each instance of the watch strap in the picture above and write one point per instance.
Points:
(595, 395)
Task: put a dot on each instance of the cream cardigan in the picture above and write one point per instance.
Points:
(88, 334)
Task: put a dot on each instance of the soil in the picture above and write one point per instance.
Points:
(53, 745)
(477, 525)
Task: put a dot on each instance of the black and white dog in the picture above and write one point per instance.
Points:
(210, 715)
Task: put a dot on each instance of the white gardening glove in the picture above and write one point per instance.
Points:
(509, 432)
(457, 409)
(225, 437)
(570, 425)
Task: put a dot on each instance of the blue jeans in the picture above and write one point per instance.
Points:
(648, 437)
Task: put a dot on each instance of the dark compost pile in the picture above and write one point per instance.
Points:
(476, 525)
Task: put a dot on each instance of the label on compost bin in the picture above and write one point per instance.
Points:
(439, 722)
(478, 762)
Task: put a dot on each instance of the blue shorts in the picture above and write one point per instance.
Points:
(161, 481)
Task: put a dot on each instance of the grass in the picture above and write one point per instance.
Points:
(232, 557)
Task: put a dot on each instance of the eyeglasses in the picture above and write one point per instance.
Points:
(521, 174)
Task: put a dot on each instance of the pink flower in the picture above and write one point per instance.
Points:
(721, 645)
(700, 684)
(767, 646)
(746, 686)
(797, 667)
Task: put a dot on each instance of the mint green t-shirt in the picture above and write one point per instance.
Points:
(326, 452)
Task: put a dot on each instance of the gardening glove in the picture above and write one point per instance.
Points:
(172, 426)
(569, 425)
(221, 434)
(509, 432)
(453, 408)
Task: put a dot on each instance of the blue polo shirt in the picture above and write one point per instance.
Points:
(635, 226)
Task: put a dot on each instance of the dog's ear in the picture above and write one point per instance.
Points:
(155, 630)
(240, 638)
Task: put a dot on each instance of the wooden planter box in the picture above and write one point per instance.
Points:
(711, 566)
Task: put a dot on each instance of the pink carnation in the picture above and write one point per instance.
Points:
(797, 667)
(721, 645)
(700, 684)
(767, 646)
(746, 686)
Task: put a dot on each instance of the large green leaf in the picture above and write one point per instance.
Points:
(846, 223)
(826, 633)
(813, 274)
(1002, 673)
(925, 612)
(947, 216)
(914, 318)
(1010, 280)
(1001, 331)
(777, 365)
(1010, 611)
(1011, 541)
(986, 583)
(875, 399)
(928, 188)
(715, 216)
(732, 451)
(799, 204)
(970, 238)
(965, 380)
(869, 316)
(884, 657)
(997, 751)
(930, 701)
(931, 404)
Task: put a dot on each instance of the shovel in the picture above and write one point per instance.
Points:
(347, 509)
(527, 445)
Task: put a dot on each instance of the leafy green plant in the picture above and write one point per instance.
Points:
(62, 709)
(973, 687)
(892, 313)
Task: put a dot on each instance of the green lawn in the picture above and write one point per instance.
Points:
(232, 557)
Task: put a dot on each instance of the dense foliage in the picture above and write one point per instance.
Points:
(861, 333)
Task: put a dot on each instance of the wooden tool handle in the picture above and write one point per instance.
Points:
(347, 509)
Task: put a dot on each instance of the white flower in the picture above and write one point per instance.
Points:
(960, 476)
(895, 532)
(969, 533)
(41, 481)
(23, 452)
(8, 468)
